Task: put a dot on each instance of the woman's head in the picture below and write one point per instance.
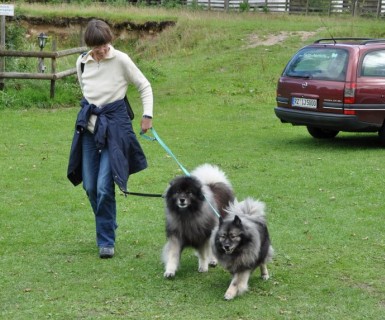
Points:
(97, 33)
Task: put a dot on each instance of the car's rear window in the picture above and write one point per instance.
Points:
(318, 63)
(373, 64)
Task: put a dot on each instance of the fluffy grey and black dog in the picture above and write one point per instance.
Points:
(241, 243)
(190, 217)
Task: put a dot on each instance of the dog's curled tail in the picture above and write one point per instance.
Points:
(255, 209)
(210, 174)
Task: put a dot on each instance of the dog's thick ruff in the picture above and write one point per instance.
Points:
(190, 218)
(241, 243)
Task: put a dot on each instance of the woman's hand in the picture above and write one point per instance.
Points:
(146, 124)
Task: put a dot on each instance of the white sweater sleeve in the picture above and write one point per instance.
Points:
(136, 77)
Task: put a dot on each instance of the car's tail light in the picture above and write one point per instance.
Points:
(350, 93)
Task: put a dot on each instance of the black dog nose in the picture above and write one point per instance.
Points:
(182, 200)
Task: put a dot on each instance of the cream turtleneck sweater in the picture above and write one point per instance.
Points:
(106, 81)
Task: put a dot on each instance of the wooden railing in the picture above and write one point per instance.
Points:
(53, 75)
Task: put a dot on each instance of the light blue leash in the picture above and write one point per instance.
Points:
(157, 138)
(164, 146)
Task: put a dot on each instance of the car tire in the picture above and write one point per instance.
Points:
(321, 133)
(381, 135)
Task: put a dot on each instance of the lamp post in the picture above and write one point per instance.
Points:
(42, 37)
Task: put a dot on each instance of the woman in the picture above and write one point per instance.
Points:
(105, 149)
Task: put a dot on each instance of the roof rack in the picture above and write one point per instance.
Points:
(373, 41)
(360, 40)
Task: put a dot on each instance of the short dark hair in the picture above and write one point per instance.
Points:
(97, 33)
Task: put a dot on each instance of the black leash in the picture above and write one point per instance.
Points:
(153, 195)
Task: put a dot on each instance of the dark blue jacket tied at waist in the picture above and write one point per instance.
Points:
(113, 130)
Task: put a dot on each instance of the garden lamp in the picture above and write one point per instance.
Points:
(42, 40)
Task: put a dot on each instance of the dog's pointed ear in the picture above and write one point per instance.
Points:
(237, 221)
(169, 187)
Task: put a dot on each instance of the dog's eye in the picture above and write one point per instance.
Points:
(233, 236)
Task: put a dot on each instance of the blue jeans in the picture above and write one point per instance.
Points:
(100, 189)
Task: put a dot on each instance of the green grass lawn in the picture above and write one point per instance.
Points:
(214, 100)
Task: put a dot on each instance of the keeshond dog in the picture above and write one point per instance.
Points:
(241, 243)
(190, 202)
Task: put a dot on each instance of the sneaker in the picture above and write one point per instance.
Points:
(106, 252)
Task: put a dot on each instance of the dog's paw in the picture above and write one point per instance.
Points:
(231, 292)
(265, 276)
(264, 272)
(203, 269)
(213, 263)
(229, 296)
(169, 275)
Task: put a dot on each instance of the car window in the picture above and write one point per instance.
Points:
(319, 63)
(373, 64)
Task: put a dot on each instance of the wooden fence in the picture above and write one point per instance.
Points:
(53, 75)
(373, 8)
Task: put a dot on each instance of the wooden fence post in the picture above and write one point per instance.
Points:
(53, 70)
(354, 7)
(330, 7)
(227, 5)
(379, 5)
(2, 47)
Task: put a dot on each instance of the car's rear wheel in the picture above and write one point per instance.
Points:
(381, 135)
(321, 133)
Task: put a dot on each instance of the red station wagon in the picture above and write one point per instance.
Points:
(335, 85)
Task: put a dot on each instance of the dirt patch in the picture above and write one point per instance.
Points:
(269, 40)
(64, 27)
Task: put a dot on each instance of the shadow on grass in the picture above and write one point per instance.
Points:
(347, 142)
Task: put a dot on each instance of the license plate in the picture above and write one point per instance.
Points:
(304, 103)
